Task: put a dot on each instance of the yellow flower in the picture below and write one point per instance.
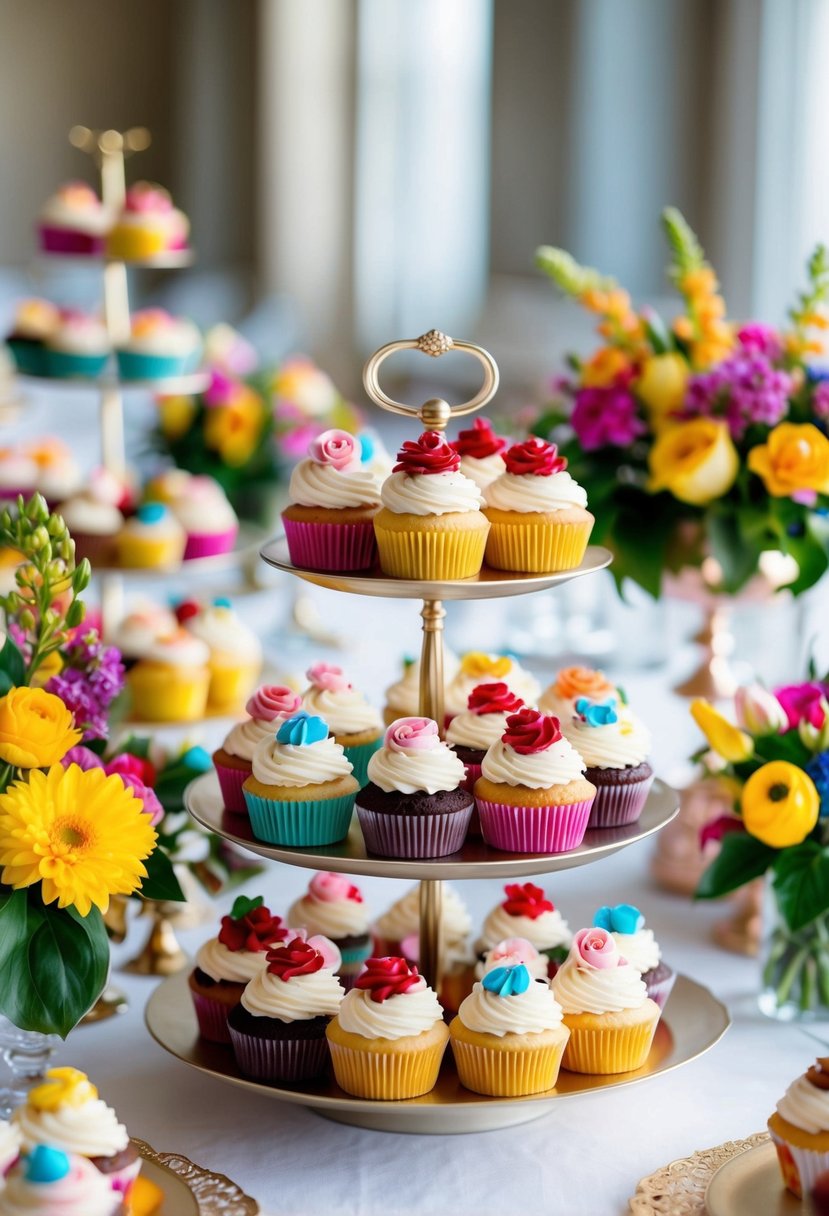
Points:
(36, 728)
(780, 804)
(726, 739)
(661, 387)
(233, 430)
(696, 461)
(604, 367)
(479, 665)
(175, 416)
(52, 665)
(82, 835)
(794, 457)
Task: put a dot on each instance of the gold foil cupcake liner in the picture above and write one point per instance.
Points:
(431, 554)
(609, 1050)
(508, 1073)
(537, 548)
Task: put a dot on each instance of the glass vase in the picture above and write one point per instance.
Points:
(795, 967)
(26, 1055)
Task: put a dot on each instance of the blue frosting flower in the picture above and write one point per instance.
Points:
(624, 918)
(197, 758)
(152, 512)
(597, 713)
(367, 447)
(303, 728)
(818, 770)
(45, 1164)
(221, 601)
(507, 981)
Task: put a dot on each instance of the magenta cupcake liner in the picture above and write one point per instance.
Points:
(661, 989)
(331, 546)
(209, 544)
(212, 1018)
(65, 240)
(616, 805)
(231, 781)
(414, 835)
(279, 1059)
(473, 772)
(533, 829)
(122, 1180)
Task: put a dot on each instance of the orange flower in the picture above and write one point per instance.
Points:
(572, 682)
(604, 367)
(234, 430)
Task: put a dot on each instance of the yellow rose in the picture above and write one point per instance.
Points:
(234, 430)
(604, 367)
(780, 804)
(696, 461)
(661, 387)
(175, 415)
(794, 457)
(36, 728)
(726, 739)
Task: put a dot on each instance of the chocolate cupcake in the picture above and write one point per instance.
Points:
(614, 745)
(639, 946)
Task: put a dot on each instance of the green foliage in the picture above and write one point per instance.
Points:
(686, 251)
(161, 882)
(568, 275)
(12, 667)
(801, 883)
(740, 860)
(243, 906)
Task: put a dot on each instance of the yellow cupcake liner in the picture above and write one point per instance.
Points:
(231, 685)
(537, 548)
(508, 1072)
(613, 1049)
(386, 1075)
(149, 554)
(133, 243)
(168, 694)
(430, 554)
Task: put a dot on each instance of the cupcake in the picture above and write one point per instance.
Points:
(278, 1028)
(207, 517)
(269, 706)
(34, 322)
(136, 634)
(613, 744)
(799, 1129)
(388, 1039)
(531, 795)
(170, 682)
(148, 225)
(334, 907)
(226, 963)
(403, 696)
(481, 452)
(639, 946)
(168, 486)
(18, 473)
(571, 683)
(475, 667)
(431, 525)
(152, 539)
(74, 220)
(65, 1112)
(10, 1142)
(50, 1182)
(415, 804)
(301, 791)
(334, 499)
(354, 723)
(79, 345)
(158, 346)
(58, 473)
(508, 1037)
(509, 953)
(235, 655)
(94, 525)
(475, 729)
(537, 512)
(527, 914)
(402, 921)
(607, 1010)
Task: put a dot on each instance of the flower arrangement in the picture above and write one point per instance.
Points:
(702, 438)
(775, 759)
(72, 836)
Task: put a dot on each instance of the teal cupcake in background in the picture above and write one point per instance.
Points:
(78, 346)
(159, 346)
(355, 724)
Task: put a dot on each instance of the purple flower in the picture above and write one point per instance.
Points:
(820, 400)
(606, 417)
(804, 703)
(91, 679)
(761, 340)
(744, 389)
(83, 757)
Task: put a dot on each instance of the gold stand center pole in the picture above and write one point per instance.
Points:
(431, 900)
(431, 706)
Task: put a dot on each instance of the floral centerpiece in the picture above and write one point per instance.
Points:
(702, 437)
(775, 758)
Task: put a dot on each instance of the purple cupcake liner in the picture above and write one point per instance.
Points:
(661, 989)
(279, 1059)
(212, 1018)
(534, 829)
(209, 544)
(331, 546)
(473, 772)
(231, 781)
(414, 835)
(616, 805)
(65, 240)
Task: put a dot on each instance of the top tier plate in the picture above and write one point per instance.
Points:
(172, 259)
(488, 585)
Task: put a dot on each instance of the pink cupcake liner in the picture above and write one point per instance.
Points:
(231, 781)
(212, 1018)
(65, 240)
(473, 772)
(122, 1180)
(661, 990)
(209, 544)
(331, 546)
(616, 805)
(414, 835)
(279, 1059)
(533, 829)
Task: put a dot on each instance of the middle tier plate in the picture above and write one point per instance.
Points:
(475, 860)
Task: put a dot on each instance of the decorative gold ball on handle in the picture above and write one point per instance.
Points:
(435, 414)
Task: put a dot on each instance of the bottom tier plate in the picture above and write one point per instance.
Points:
(694, 1021)
(751, 1185)
(190, 1190)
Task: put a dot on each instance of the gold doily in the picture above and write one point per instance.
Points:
(679, 1189)
(215, 1194)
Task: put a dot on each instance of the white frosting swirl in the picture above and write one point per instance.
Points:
(58, 212)
(430, 493)
(243, 738)
(17, 472)
(204, 513)
(80, 336)
(483, 469)
(225, 634)
(332, 918)
(232, 966)
(616, 745)
(476, 730)
(529, 492)
(527, 1012)
(430, 770)
(179, 650)
(516, 679)
(579, 988)
(640, 949)
(137, 632)
(87, 514)
(556, 765)
(547, 931)
(403, 917)
(293, 765)
(562, 708)
(90, 1130)
(10, 1142)
(85, 1191)
(806, 1106)
(537, 966)
(404, 695)
(295, 1000)
(346, 710)
(178, 337)
(401, 1015)
(321, 485)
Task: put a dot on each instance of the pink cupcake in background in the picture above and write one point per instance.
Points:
(334, 907)
(329, 524)
(207, 517)
(74, 220)
(267, 708)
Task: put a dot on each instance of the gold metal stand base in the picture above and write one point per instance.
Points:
(110, 1003)
(161, 955)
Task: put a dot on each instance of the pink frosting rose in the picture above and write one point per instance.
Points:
(337, 448)
(597, 948)
(273, 701)
(412, 735)
(327, 677)
(513, 950)
(146, 196)
(333, 888)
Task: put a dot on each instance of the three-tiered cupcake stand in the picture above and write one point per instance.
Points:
(694, 1019)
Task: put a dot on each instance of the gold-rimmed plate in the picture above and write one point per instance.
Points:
(751, 1185)
(191, 1190)
(185, 385)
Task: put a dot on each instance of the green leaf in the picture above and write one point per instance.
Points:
(736, 553)
(242, 905)
(810, 553)
(161, 881)
(639, 542)
(801, 883)
(135, 745)
(12, 667)
(741, 858)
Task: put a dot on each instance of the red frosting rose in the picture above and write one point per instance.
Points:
(132, 766)
(429, 454)
(187, 609)
(297, 958)
(385, 977)
(256, 931)
(525, 899)
(534, 456)
(480, 441)
(493, 699)
(529, 731)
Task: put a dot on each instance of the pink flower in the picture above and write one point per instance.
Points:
(327, 677)
(221, 390)
(337, 448)
(808, 702)
(715, 829)
(135, 766)
(148, 797)
(762, 340)
(597, 948)
(333, 888)
(295, 444)
(412, 735)
(606, 417)
(273, 701)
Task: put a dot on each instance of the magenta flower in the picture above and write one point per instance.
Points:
(806, 702)
(761, 340)
(83, 757)
(221, 389)
(820, 400)
(152, 806)
(606, 417)
(743, 389)
(715, 829)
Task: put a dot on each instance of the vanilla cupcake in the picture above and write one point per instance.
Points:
(639, 946)
(527, 914)
(481, 452)
(269, 706)
(235, 655)
(571, 683)
(476, 667)
(159, 346)
(50, 1182)
(58, 473)
(354, 722)
(207, 517)
(35, 321)
(614, 746)
(152, 539)
(170, 682)
(136, 634)
(509, 953)
(402, 920)
(79, 345)
(403, 696)
(148, 225)
(799, 1129)
(74, 220)
(334, 907)
(10, 1141)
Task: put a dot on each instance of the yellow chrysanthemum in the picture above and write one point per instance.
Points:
(82, 835)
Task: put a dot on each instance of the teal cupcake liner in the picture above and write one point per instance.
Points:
(357, 954)
(65, 364)
(138, 365)
(359, 757)
(299, 824)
